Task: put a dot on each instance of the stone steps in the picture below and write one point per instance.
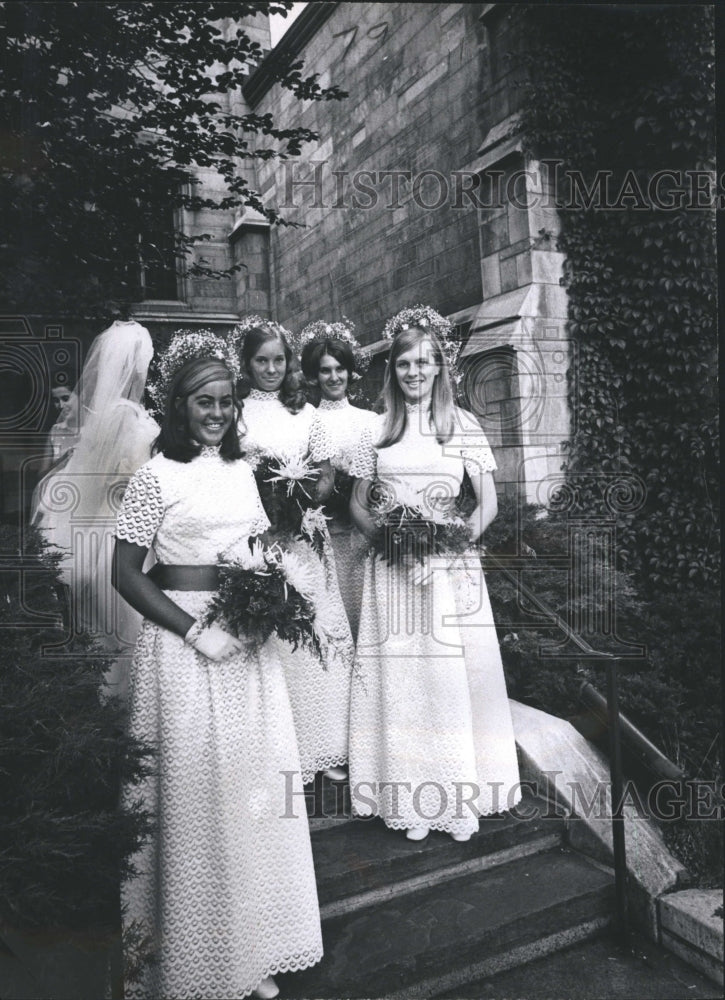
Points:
(366, 861)
(425, 942)
(404, 918)
(598, 967)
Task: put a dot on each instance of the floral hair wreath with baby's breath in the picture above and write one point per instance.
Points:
(254, 321)
(426, 318)
(187, 345)
(319, 332)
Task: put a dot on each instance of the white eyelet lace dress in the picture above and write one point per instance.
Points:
(319, 694)
(344, 425)
(429, 707)
(226, 887)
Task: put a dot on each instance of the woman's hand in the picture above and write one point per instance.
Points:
(420, 574)
(325, 482)
(360, 498)
(213, 642)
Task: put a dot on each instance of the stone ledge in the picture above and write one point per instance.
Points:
(565, 767)
(690, 929)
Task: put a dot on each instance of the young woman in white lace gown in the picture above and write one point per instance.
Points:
(431, 739)
(280, 423)
(225, 890)
(329, 364)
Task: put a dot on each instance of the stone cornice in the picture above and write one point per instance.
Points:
(264, 76)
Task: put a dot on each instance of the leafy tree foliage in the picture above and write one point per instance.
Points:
(109, 112)
(619, 94)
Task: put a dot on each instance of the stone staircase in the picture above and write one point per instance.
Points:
(400, 918)
(418, 919)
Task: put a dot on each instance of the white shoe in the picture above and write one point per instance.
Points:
(461, 837)
(336, 774)
(417, 833)
(267, 989)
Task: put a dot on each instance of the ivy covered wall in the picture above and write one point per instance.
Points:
(619, 100)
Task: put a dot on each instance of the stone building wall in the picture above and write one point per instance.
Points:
(418, 191)
(412, 72)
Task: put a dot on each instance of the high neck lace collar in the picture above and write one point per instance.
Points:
(421, 407)
(263, 394)
(334, 404)
(209, 450)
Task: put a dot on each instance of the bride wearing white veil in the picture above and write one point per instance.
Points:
(75, 505)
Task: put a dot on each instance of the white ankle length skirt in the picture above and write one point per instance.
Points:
(225, 892)
(431, 738)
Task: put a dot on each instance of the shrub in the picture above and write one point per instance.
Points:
(671, 692)
(65, 839)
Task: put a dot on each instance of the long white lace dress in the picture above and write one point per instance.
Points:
(320, 697)
(344, 425)
(430, 714)
(226, 886)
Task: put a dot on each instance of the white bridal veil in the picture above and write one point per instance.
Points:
(76, 503)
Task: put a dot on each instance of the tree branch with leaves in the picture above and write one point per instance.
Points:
(111, 110)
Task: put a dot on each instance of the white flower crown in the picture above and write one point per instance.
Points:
(426, 318)
(319, 332)
(186, 345)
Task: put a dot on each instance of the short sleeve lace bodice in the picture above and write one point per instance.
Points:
(191, 513)
(419, 471)
(343, 426)
(270, 429)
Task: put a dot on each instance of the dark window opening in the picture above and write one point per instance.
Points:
(158, 259)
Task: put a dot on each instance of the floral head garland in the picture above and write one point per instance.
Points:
(252, 322)
(187, 345)
(426, 318)
(319, 332)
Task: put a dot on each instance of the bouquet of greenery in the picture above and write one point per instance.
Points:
(264, 591)
(287, 490)
(404, 534)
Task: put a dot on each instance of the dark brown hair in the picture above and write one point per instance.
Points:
(174, 441)
(312, 355)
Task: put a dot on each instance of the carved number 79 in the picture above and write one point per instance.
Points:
(376, 31)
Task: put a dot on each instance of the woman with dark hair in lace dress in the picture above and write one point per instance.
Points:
(224, 890)
(330, 363)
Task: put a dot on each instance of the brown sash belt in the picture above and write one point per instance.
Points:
(184, 577)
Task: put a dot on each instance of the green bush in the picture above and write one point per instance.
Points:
(65, 839)
(672, 692)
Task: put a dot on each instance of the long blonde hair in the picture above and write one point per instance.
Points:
(441, 402)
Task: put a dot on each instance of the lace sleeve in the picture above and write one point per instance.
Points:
(473, 446)
(142, 509)
(259, 520)
(364, 457)
(321, 446)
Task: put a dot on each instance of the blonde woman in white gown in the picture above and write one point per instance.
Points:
(331, 358)
(279, 423)
(225, 888)
(431, 740)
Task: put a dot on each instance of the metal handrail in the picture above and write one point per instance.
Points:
(611, 661)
